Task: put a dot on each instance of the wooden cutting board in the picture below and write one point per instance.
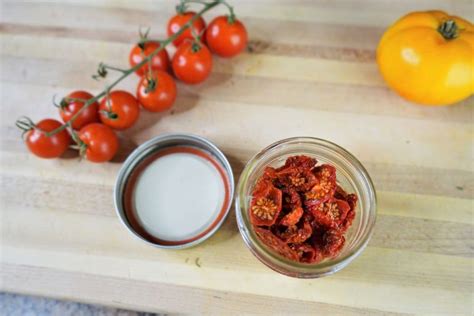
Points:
(309, 71)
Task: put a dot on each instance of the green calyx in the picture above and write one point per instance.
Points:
(151, 85)
(25, 124)
(110, 115)
(80, 145)
(449, 29)
(196, 47)
(181, 8)
(231, 17)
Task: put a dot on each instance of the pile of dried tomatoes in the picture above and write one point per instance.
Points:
(300, 211)
(91, 121)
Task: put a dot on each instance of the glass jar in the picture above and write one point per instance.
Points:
(351, 176)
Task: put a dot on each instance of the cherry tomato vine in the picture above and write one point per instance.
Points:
(89, 120)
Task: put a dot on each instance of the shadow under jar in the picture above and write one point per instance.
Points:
(351, 176)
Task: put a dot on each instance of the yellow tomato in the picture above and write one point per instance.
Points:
(428, 58)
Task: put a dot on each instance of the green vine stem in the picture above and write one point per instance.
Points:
(25, 124)
(102, 69)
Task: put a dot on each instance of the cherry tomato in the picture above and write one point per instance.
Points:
(192, 62)
(226, 36)
(69, 108)
(47, 147)
(119, 110)
(100, 142)
(162, 96)
(161, 61)
(177, 22)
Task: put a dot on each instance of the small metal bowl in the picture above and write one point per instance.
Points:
(138, 161)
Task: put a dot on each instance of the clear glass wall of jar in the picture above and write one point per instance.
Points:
(351, 176)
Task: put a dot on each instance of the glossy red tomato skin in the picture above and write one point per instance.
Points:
(87, 116)
(162, 97)
(101, 142)
(192, 67)
(161, 61)
(177, 21)
(47, 147)
(124, 105)
(226, 39)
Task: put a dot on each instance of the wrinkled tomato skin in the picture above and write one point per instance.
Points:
(300, 235)
(293, 217)
(47, 147)
(332, 213)
(333, 243)
(298, 162)
(307, 253)
(273, 242)
(266, 204)
(315, 210)
(328, 242)
(225, 38)
(352, 201)
(291, 199)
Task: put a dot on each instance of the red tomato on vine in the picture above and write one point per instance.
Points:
(160, 61)
(179, 20)
(226, 36)
(119, 110)
(157, 92)
(45, 146)
(192, 62)
(68, 108)
(98, 142)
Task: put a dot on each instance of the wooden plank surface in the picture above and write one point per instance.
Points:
(311, 67)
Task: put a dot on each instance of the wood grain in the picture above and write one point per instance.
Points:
(141, 294)
(310, 64)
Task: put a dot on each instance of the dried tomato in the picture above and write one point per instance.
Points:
(329, 242)
(333, 242)
(324, 188)
(307, 254)
(291, 199)
(266, 204)
(261, 188)
(304, 211)
(296, 235)
(347, 222)
(298, 162)
(293, 217)
(300, 180)
(351, 199)
(269, 173)
(296, 173)
(331, 213)
(275, 243)
(340, 194)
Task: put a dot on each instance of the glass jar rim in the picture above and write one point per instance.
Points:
(279, 263)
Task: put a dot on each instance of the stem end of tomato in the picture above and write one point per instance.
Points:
(448, 29)
(110, 115)
(181, 8)
(151, 85)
